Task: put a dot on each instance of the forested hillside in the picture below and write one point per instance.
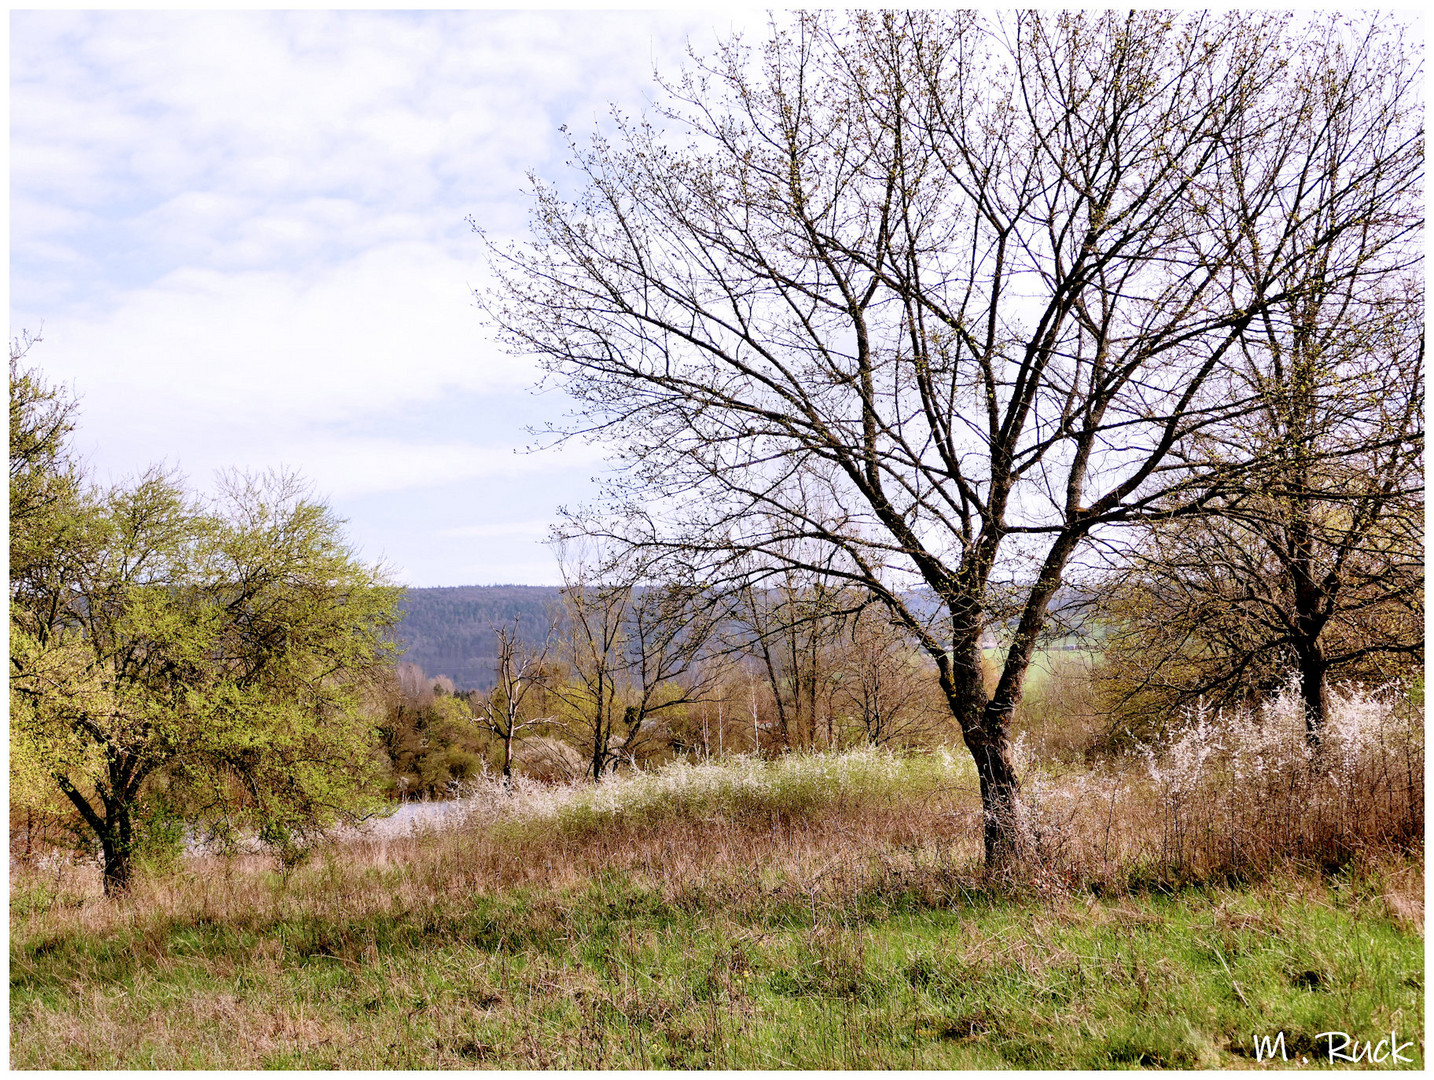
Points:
(451, 631)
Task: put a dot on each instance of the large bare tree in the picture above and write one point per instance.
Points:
(1314, 563)
(944, 295)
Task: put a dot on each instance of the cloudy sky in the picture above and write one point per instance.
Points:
(243, 239)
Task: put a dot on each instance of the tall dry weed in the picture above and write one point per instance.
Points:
(1235, 793)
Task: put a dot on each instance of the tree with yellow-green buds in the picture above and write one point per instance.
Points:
(219, 649)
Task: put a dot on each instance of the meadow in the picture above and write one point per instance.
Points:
(812, 911)
(1096, 337)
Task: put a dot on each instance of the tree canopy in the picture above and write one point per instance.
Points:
(217, 650)
(933, 298)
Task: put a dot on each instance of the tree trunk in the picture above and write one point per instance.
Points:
(114, 830)
(1310, 596)
(990, 741)
(812, 695)
(1000, 789)
(117, 844)
(1313, 692)
(602, 734)
(985, 730)
(117, 869)
(601, 725)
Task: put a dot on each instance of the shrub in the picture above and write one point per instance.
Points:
(1235, 792)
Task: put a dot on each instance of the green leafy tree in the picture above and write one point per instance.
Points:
(430, 735)
(44, 483)
(41, 474)
(222, 648)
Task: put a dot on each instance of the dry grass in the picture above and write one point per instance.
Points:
(765, 950)
(769, 860)
(819, 911)
(1234, 796)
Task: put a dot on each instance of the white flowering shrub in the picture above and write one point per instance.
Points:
(1236, 791)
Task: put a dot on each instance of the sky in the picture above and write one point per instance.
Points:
(243, 240)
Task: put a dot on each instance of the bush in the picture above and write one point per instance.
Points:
(433, 743)
(160, 832)
(1236, 792)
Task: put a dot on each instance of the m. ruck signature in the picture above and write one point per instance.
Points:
(1341, 1047)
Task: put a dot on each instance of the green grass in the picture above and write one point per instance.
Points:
(620, 973)
(817, 911)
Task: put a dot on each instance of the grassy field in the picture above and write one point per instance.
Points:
(818, 912)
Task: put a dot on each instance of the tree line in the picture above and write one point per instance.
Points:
(628, 671)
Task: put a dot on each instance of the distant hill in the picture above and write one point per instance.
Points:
(450, 631)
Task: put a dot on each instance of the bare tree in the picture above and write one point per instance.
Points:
(945, 297)
(1314, 563)
(788, 618)
(1317, 572)
(593, 653)
(634, 645)
(671, 625)
(879, 680)
(518, 669)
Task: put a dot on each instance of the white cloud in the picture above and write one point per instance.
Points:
(365, 466)
(388, 108)
(244, 233)
(394, 325)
